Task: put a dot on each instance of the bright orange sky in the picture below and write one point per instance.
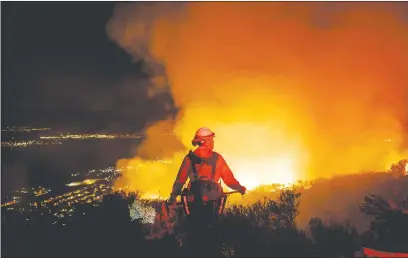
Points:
(292, 90)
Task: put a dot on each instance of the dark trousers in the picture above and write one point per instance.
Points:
(203, 229)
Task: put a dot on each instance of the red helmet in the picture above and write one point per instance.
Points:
(202, 134)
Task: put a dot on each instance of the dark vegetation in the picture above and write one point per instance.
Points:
(265, 228)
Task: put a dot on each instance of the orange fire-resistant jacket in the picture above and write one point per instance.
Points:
(222, 171)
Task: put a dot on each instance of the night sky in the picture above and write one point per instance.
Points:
(60, 69)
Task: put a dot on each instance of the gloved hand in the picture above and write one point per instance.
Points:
(242, 190)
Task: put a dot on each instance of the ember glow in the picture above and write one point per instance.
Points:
(292, 90)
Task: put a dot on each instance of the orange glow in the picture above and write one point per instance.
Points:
(292, 90)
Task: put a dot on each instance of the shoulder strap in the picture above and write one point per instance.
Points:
(214, 159)
(197, 160)
(215, 165)
(191, 157)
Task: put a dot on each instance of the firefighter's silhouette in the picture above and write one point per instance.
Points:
(203, 199)
(204, 167)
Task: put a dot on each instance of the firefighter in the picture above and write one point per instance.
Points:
(204, 168)
(204, 163)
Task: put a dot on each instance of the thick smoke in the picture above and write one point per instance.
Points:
(292, 90)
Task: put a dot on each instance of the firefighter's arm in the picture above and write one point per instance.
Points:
(181, 178)
(228, 177)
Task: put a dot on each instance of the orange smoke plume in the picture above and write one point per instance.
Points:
(292, 90)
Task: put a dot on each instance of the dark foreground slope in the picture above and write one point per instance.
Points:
(267, 227)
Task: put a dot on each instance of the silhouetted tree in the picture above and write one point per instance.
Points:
(265, 228)
(399, 169)
(390, 222)
(334, 238)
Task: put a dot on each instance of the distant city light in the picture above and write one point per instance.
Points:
(58, 138)
(95, 184)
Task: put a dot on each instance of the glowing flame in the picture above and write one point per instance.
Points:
(316, 102)
(258, 153)
(264, 171)
(406, 168)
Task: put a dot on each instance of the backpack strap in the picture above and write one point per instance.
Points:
(213, 163)
(192, 159)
